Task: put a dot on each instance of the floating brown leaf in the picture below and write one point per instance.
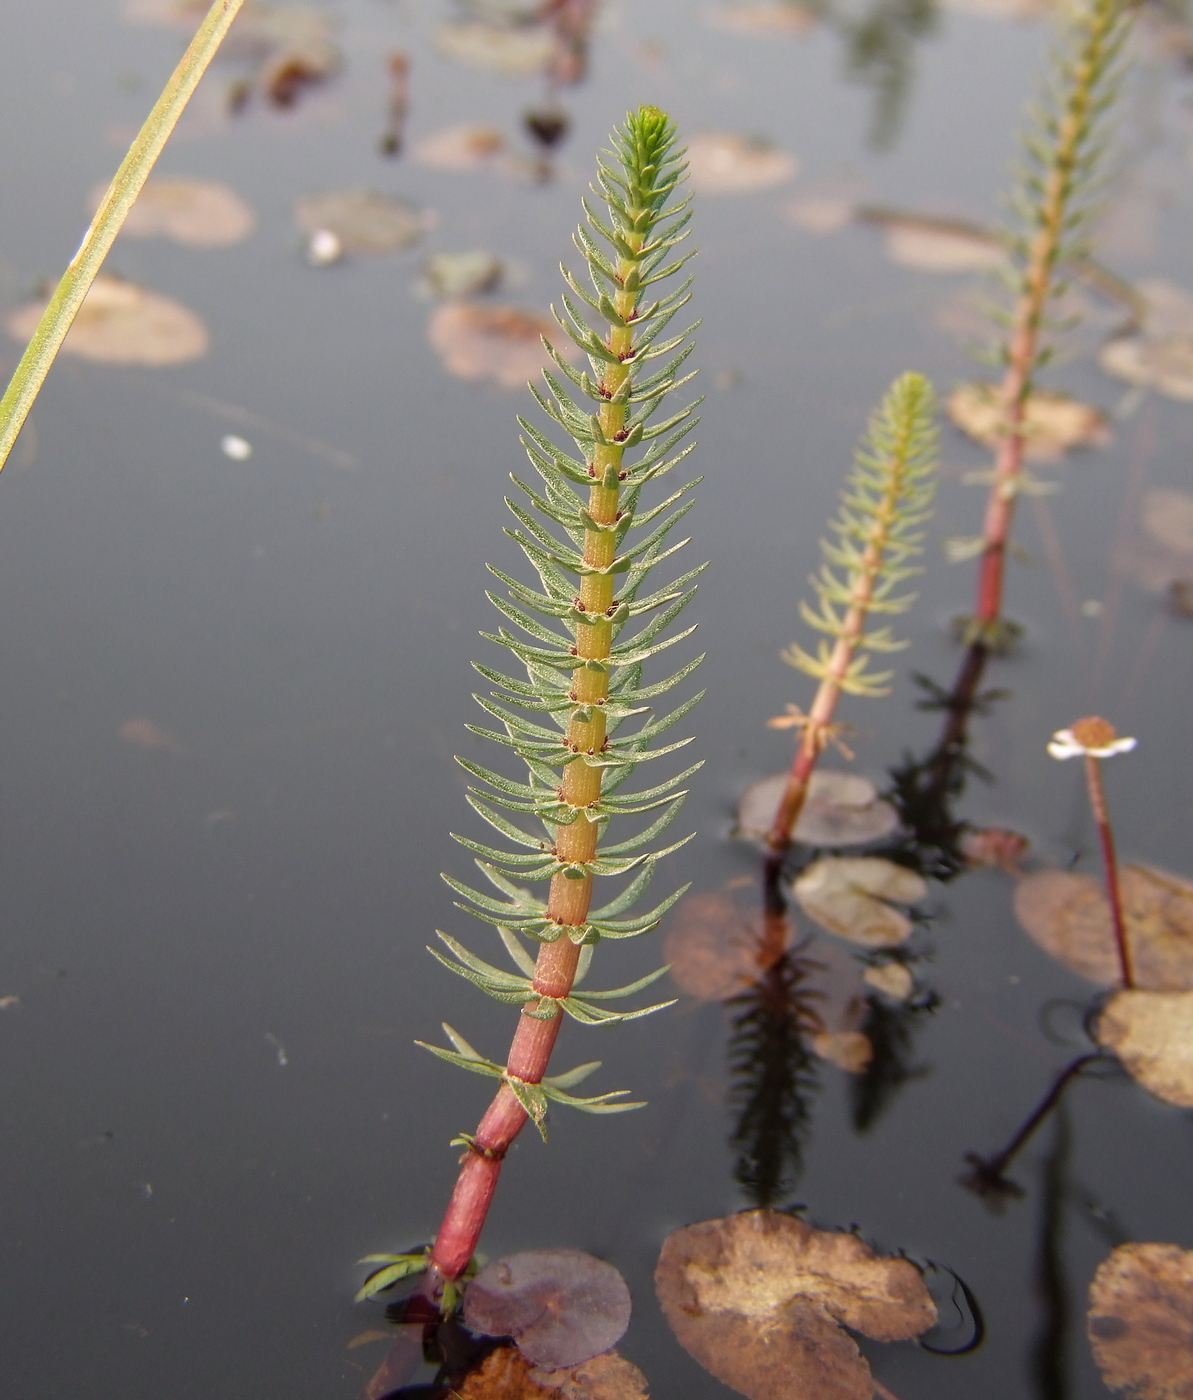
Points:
(712, 947)
(1163, 363)
(848, 896)
(1152, 1034)
(1140, 1321)
(1054, 423)
(1167, 517)
(993, 846)
(841, 809)
(493, 342)
(766, 19)
(850, 1051)
(561, 1306)
(1068, 916)
(120, 323)
(505, 1374)
(926, 246)
(466, 147)
(722, 162)
(761, 1300)
(461, 274)
(363, 221)
(196, 213)
(511, 50)
(892, 979)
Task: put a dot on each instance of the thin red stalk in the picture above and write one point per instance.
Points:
(1097, 801)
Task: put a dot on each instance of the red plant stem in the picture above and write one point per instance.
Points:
(1097, 801)
(569, 899)
(997, 1165)
(1024, 348)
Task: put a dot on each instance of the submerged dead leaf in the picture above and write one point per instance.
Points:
(561, 1306)
(723, 162)
(1069, 917)
(1152, 1034)
(363, 221)
(779, 17)
(841, 809)
(466, 147)
(1054, 423)
(505, 1374)
(1140, 1321)
(120, 323)
(711, 947)
(511, 50)
(195, 213)
(761, 1301)
(848, 896)
(493, 342)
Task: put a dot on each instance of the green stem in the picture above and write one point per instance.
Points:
(56, 320)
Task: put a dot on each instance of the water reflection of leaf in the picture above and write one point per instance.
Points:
(711, 947)
(848, 895)
(561, 1306)
(761, 1300)
(890, 1032)
(195, 213)
(363, 221)
(723, 162)
(1054, 423)
(122, 324)
(841, 809)
(1140, 1321)
(494, 342)
(506, 1375)
(1067, 915)
(1152, 1035)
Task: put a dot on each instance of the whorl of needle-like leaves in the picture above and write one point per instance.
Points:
(585, 632)
(887, 497)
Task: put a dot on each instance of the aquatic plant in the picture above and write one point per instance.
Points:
(582, 675)
(1054, 196)
(34, 365)
(887, 497)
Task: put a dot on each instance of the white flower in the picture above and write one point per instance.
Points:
(1092, 736)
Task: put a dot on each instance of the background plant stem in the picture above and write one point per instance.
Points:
(76, 281)
(1097, 801)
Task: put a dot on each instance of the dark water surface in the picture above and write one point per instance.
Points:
(210, 1103)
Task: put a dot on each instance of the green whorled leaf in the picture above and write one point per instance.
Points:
(652, 629)
(530, 625)
(629, 802)
(628, 991)
(521, 958)
(524, 908)
(570, 1078)
(656, 828)
(498, 781)
(395, 1268)
(507, 828)
(528, 866)
(601, 1103)
(478, 1066)
(483, 969)
(580, 1010)
(517, 724)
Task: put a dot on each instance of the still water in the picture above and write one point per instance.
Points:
(233, 691)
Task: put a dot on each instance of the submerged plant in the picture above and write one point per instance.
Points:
(1055, 194)
(583, 675)
(887, 497)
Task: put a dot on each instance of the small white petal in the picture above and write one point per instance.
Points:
(1124, 745)
(238, 448)
(1063, 745)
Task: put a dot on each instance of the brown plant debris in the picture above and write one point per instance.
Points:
(770, 18)
(1167, 518)
(1140, 1321)
(120, 323)
(493, 342)
(195, 213)
(848, 895)
(462, 148)
(362, 221)
(511, 50)
(505, 1374)
(850, 1051)
(723, 162)
(761, 1301)
(712, 947)
(1152, 1034)
(893, 979)
(1068, 917)
(1054, 423)
(925, 246)
(841, 809)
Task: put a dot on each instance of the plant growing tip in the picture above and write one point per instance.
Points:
(887, 498)
(582, 636)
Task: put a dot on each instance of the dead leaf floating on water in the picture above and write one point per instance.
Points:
(1054, 423)
(711, 948)
(850, 1051)
(505, 1374)
(722, 162)
(363, 221)
(926, 247)
(462, 148)
(195, 213)
(892, 979)
(461, 274)
(761, 1301)
(120, 323)
(1164, 364)
(841, 809)
(765, 19)
(561, 1306)
(848, 895)
(1140, 1321)
(493, 342)
(510, 50)
(1152, 1035)
(1068, 916)
(1167, 516)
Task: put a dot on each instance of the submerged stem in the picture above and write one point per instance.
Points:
(1097, 801)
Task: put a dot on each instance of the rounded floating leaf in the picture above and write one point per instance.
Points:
(1068, 916)
(493, 342)
(841, 809)
(892, 979)
(848, 896)
(1152, 1034)
(505, 1374)
(1164, 364)
(561, 1306)
(850, 1051)
(514, 51)
(761, 1300)
(196, 213)
(712, 948)
(1140, 1321)
(465, 147)
(927, 247)
(722, 162)
(455, 275)
(120, 323)
(364, 222)
(1167, 517)
(766, 19)
(1054, 423)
